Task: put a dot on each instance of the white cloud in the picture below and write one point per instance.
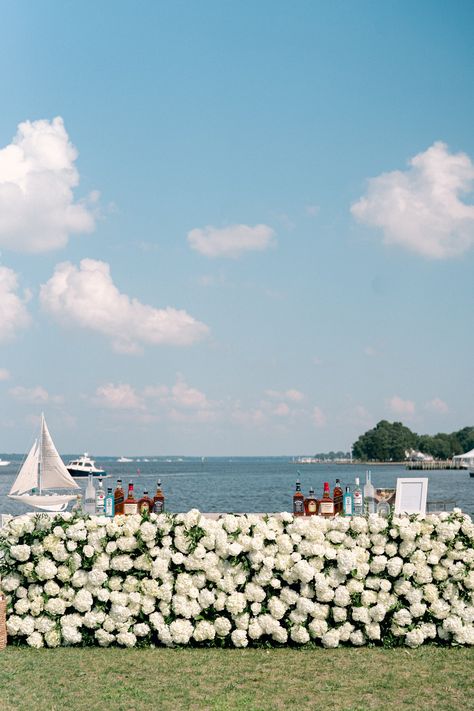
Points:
(35, 396)
(118, 397)
(401, 407)
(318, 417)
(292, 395)
(437, 405)
(281, 410)
(312, 210)
(420, 208)
(37, 177)
(230, 241)
(4, 374)
(13, 314)
(88, 298)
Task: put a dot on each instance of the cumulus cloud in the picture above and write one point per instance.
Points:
(37, 177)
(13, 313)
(118, 397)
(87, 297)
(421, 208)
(401, 407)
(291, 394)
(4, 374)
(437, 405)
(230, 241)
(35, 396)
(318, 417)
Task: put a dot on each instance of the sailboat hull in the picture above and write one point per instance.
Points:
(45, 502)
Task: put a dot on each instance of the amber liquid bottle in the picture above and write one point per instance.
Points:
(145, 504)
(158, 500)
(337, 495)
(298, 501)
(326, 504)
(130, 505)
(119, 498)
(311, 504)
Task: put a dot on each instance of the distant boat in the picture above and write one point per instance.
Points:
(3, 463)
(43, 469)
(83, 466)
(122, 460)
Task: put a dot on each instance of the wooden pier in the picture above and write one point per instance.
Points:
(435, 464)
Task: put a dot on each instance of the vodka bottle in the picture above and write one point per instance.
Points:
(89, 504)
(369, 493)
(358, 499)
(100, 499)
(109, 504)
(348, 502)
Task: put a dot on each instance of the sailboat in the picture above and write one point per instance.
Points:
(43, 469)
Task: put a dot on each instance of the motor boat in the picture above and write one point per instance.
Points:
(3, 463)
(83, 466)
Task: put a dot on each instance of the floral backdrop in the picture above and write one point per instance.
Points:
(183, 579)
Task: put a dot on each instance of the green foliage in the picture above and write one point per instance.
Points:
(389, 441)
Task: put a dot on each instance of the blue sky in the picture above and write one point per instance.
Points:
(234, 228)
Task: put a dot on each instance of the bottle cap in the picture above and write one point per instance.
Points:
(348, 488)
(326, 486)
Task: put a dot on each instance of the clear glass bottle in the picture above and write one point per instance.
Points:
(89, 503)
(326, 504)
(77, 506)
(369, 493)
(298, 501)
(358, 499)
(100, 498)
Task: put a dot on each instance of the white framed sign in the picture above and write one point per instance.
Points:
(411, 495)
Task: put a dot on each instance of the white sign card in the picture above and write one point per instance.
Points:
(411, 495)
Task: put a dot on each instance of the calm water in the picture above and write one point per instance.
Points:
(249, 484)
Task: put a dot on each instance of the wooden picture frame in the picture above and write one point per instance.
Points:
(411, 495)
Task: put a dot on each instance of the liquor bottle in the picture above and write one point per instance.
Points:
(119, 498)
(77, 506)
(109, 503)
(130, 506)
(145, 504)
(298, 501)
(326, 504)
(100, 499)
(89, 503)
(158, 500)
(358, 499)
(369, 493)
(311, 504)
(348, 502)
(337, 495)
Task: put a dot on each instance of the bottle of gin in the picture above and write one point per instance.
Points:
(130, 505)
(358, 499)
(369, 493)
(100, 499)
(348, 502)
(326, 504)
(311, 504)
(337, 495)
(119, 498)
(109, 503)
(298, 501)
(145, 504)
(158, 499)
(89, 504)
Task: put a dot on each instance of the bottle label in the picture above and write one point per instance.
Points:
(312, 506)
(298, 506)
(144, 507)
(119, 500)
(158, 506)
(326, 507)
(130, 509)
(348, 506)
(109, 507)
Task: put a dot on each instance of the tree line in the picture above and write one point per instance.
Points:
(388, 441)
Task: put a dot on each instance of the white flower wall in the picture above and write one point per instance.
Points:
(239, 581)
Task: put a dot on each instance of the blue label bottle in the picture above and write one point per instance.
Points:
(109, 504)
(348, 502)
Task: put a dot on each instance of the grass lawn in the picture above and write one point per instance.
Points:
(222, 680)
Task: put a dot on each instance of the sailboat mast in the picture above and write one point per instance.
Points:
(40, 457)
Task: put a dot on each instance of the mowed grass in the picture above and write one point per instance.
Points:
(223, 680)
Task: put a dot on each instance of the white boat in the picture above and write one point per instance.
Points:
(3, 462)
(122, 460)
(83, 466)
(43, 470)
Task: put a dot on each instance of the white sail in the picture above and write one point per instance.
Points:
(53, 471)
(28, 475)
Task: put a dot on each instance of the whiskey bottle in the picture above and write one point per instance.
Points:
(337, 495)
(145, 504)
(326, 504)
(158, 500)
(130, 506)
(119, 498)
(311, 504)
(298, 501)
